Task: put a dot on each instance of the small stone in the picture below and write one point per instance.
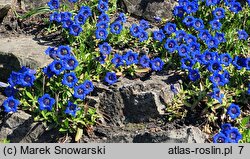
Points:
(16, 52)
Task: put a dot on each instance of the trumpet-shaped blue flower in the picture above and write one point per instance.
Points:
(116, 27)
(46, 102)
(144, 61)
(130, 58)
(70, 79)
(117, 60)
(110, 78)
(10, 105)
(71, 109)
(156, 64)
(233, 111)
(105, 48)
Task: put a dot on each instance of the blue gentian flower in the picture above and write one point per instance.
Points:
(101, 58)
(196, 55)
(27, 79)
(187, 63)
(220, 138)
(233, 135)
(144, 24)
(179, 11)
(80, 19)
(171, 45)
(226, 127)
(247, 63)
(70, 63)
(53, 4)
(121, 18)
(219, 13)
(212, 42)
(88, 86)
(73, 1)
(214, 66)
(180, 34)
(183, 50)
(46, 102)
(170, 28)
(189, 38)
(102, 6)
(47, 71)
(158, 35)
(143, 36)
(65, 16)
(63, 51)
(10, 91)
(239, 62)
(105, 48)
(135, 30)
(242, 34)
(57, 17)
(101, 34)
(71, 109)
(188, 21)
(225, 59)
(156, 64)
(194, 46)
(102, 25)
(233, 111)
(116, 27)
(198, 24)
(103, 17)
(212, 2)
(10, 104)
(248, 89)
(117, 60)
(204, 35)
(193, 74)
(226, 75)
(207, 56)
(70, 79)
(57, 66)
(79, 92)
(227, 2)
(144, 61)
(191, 7)
(67, 23)
(130, 58)
(220, 37)
(110, 78)
(86, 11)
(235, 7)
(216, 94)
(75, 29)
(217, 79)
(215, 24)
(52, 16)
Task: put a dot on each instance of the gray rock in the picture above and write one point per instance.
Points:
(143, 134)
(5, 6)
(20, 127)
(32, 4)
(16, 52)
(133, 100)
(148, 9)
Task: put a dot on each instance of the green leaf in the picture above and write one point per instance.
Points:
(78, 134)
(244, 121)
(29, 95)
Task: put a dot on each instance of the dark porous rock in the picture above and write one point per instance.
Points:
(16, 52)
(149, 9)
(134, 100)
